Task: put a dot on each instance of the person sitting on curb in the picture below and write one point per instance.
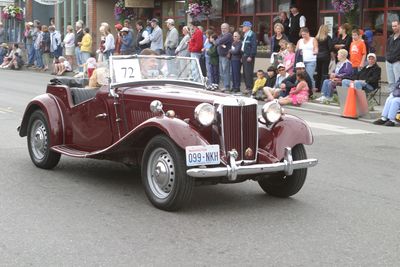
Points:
(292, 81)
(343, 70)
(299, 94)
(3, 52)
(257, 91)
(368, 78)
(273, 92)
(271, 80)
(14, 59)
(391, 108)
(61, 65)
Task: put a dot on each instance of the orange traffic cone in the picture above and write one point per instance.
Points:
(350, 107)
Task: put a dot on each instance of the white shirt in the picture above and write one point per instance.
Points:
(308, 50)
(69, 40)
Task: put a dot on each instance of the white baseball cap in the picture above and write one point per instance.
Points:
(125, 29)
(300, 65)
(170, 21)
(371, 55)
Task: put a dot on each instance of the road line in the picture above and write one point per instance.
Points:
(338, 129)
(6, 110)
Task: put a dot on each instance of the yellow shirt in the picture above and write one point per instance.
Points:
(86, 45)
(259, 84)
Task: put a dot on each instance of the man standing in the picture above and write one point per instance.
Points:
(172, 39)
(296, 22)
(156, 37)
(29, 43)
(393, 56)
(196, 42)
(142, 38)
(249, 49)
(55, 42)
(78, 39)
(224, 44)
(126, 42)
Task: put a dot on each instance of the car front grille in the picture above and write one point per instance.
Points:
(240, 130)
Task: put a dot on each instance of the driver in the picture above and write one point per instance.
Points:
(149, 66)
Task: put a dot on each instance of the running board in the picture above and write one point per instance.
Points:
(65, 150)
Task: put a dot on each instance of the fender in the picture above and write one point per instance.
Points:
(52, 110)
(288, 132)
(179, 131)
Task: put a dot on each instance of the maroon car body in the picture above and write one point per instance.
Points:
(115, 122)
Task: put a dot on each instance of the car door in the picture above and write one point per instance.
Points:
(90, 123)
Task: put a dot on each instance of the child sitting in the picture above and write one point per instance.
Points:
(61, 65)
(298, 94)
(272, 92)
(289, 59)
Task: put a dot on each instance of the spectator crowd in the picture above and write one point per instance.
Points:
(301, 64)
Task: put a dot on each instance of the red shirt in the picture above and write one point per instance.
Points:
(196, 42)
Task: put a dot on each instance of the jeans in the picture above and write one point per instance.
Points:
(39, 59)
(195, 69)
(393, 73)
(236, 65)
(392, 106)
(208, 69)
(225, 72)
(78, 57)
(85, 56)
(310, 69)
(31, 54)
(327, 88)
(358, 85)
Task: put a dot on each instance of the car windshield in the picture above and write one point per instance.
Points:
(125, 69)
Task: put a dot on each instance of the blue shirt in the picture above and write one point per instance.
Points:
(127, 42)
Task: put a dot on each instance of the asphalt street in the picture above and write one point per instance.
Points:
(95, 213)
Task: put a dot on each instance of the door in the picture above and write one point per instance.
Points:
(309, 8)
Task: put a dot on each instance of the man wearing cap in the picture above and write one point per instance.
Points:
(224, 44)
(156, 37)
(291, 81)
(393, 55)
(249, 50)
(172, 39)
(296, 22)
(368, 77)
(126, 42)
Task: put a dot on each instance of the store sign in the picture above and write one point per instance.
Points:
(49, 2)
(328, 21)
(6, 2)
(140, 3)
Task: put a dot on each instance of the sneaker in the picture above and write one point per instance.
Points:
(389, 123)
(328, 99)
(321, 98)
(379, 122)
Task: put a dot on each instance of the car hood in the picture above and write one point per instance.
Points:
(187, 94)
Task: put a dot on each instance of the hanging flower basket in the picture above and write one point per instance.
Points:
(197, 8)
(12, 11)
(121, 12)
(344, 6)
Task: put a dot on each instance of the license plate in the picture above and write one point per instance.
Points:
(202, 155)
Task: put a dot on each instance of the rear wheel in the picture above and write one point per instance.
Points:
(39, 142)
(281, 185)
(164, 174)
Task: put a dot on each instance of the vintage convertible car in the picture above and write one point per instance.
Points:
(156, 113)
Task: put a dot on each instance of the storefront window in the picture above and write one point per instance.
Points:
(325, 5)
(374, 20)
(282, 5)
(232, 21)
(168, 9)
(232, 6)
(375, 3)
(262, 28)
(247, 6)
(263, 6)
(394, 3)
(180, 9)
(391, 16)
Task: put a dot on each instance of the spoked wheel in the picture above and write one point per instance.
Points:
(39, 142)
(281, 185)
(164, 174)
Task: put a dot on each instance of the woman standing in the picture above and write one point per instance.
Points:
(109, 43)
(86, 45)
(279, 35)
(323, 56)
(46, 43)
(344, 39)
(309, 48)
(236, 55)
(69, 44)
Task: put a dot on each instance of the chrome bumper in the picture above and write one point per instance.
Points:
(232, 171)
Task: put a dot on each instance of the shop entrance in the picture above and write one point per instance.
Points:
(309, 8)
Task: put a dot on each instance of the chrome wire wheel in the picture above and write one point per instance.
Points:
(39, 140)
(161, 173)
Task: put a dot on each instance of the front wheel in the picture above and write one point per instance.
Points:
(281, 185)
(39, 142)
(164, 174)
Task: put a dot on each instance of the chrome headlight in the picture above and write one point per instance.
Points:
(271, 111)
(205, 114)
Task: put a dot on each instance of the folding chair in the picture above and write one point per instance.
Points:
(375, 95)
